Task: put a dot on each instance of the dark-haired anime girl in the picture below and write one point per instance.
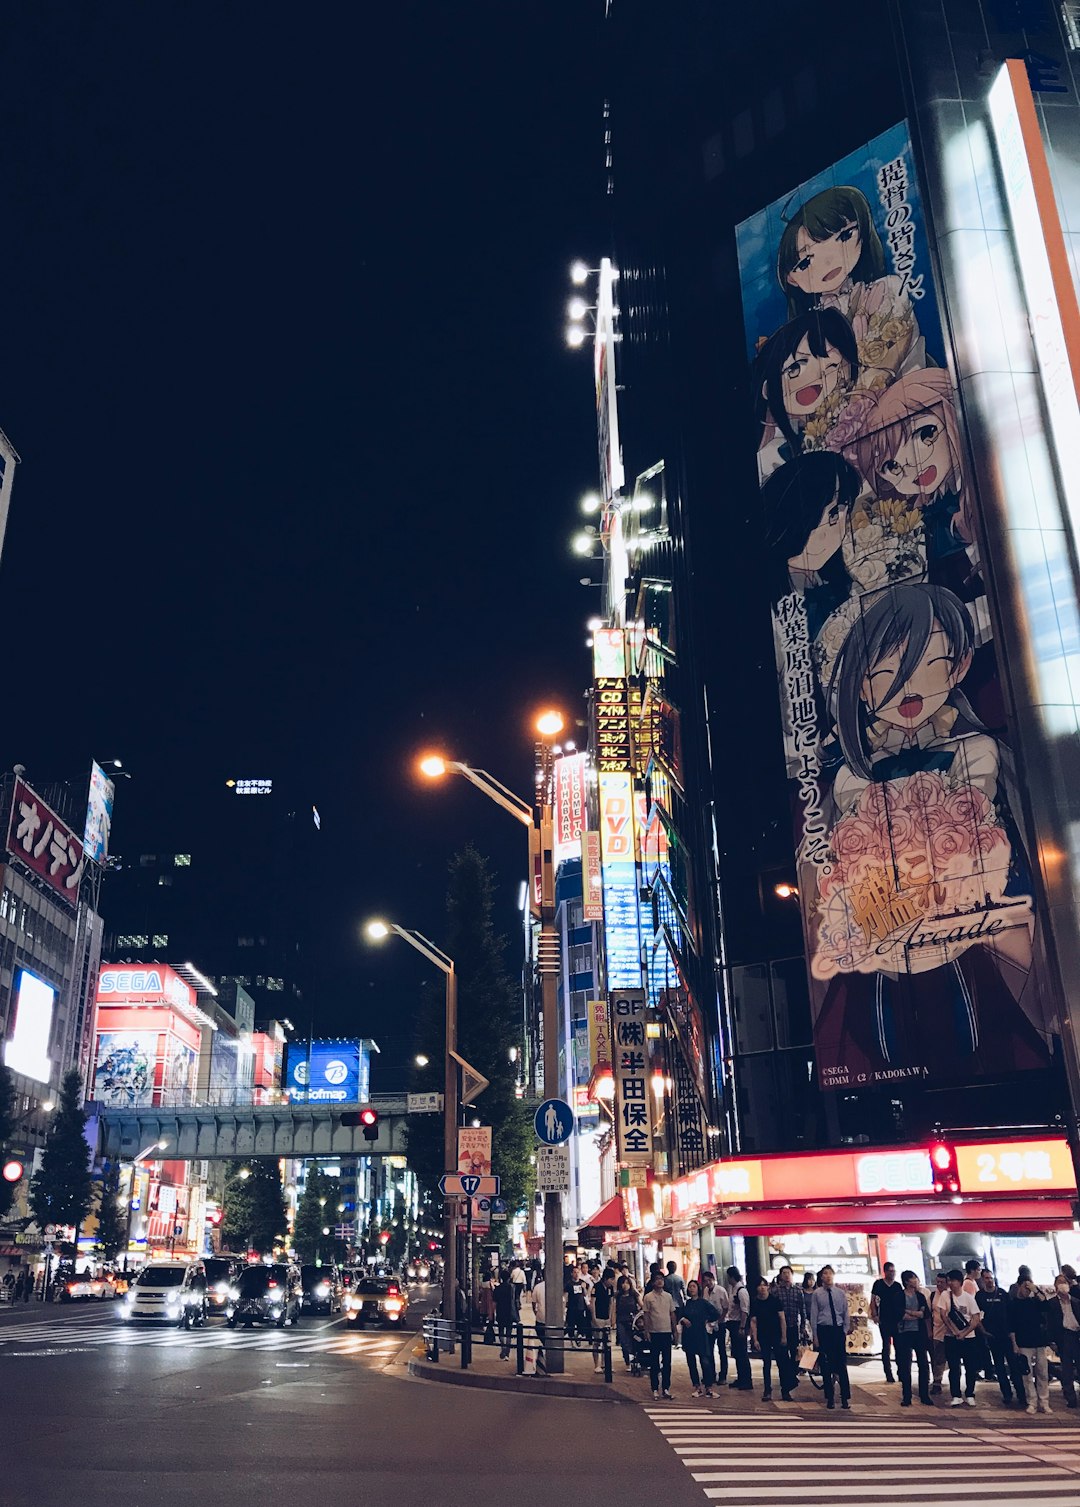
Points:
(830, 257)
(804, 374)
(923, 919)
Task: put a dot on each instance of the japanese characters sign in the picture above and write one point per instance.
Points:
(913, 874)
(599, 1035)
(633, 1102)
(44, 844)
(620, 881)
(592, 891)
(569, 805)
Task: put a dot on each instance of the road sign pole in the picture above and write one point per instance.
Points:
(450, 1130)
(549, 1001)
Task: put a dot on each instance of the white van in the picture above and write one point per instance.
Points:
(173, 1291)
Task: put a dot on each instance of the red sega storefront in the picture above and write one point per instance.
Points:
(859, 1207)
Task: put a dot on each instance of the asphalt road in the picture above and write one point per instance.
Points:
(97, 1414)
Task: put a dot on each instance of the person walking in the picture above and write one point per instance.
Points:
(830, 1322)
(738, 1329)
(505, 1312)
(963, 1319)
(577, 1316)
(674, 1284)
(994, 1305)
(913, 1339)
(1027, 1334)
(658, 1319)
(485, 1306)
(602, 1313)
(697, 1321)
(793, 1302)
(768, 1336)
(716, 1293)
(627, 1306)
(886, 1309)
(1063, 1332)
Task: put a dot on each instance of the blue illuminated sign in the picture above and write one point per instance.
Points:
(327, 1072)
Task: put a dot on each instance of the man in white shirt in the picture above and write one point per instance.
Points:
(715, 1293)
(738, 1328)
(962, 1318)
(939, 1304)
(659, 1311)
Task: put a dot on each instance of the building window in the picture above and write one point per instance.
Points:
(161, 939)
(165, 881)
(245, 941)
(182, 860)
(147, 860)
(277, 985)
(1070, 16)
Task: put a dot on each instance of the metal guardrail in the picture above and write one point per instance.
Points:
(543, 1338)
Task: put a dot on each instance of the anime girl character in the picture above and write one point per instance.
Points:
(804, 374)
(806, 505)
(830, 257)
(922, 920)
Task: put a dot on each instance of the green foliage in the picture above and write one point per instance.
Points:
(111, 1217)
(61, 1191)
(489, 1024)
(7, 1128)
(253, 1207)
(308, 1239)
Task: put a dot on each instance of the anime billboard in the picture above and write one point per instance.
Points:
(913, 876)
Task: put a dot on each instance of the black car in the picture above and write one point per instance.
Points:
(265, 1294)
(221, 1274)
(321, 1289)
(375, 1300)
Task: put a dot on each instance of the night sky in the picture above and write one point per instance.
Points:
(301, 442)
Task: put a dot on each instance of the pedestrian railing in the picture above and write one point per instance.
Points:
(442, 1335)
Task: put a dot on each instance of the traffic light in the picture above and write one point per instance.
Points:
(367, 1118)
(943, 1167)
(13, 1171)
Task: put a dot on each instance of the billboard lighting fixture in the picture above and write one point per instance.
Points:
(575, 336)
(579, 274)
(591, 502)
(582, 544)
(577, 308)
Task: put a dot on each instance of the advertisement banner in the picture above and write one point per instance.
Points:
(569, 805)
(620, 883)
(44, 844)
(913, 873)
(26, 1050)
(99, 809)
(592, 882)
(474, 1150)
(124, 1068)
(155, 985)
(633, 1091)
(599, 1035)
(324, 1072)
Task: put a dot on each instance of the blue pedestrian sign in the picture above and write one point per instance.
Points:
(554, 1122)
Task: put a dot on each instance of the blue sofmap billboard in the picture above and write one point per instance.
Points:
(327, 1072)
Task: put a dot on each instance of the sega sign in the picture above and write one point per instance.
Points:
(894, 1172)
(155, 985)
(327, 1072)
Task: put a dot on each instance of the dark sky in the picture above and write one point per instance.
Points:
(301, 442)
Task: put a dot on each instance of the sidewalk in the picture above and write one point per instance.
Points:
(872, 1396)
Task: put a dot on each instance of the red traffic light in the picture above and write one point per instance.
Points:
(946, 1174)
(213, 1216)
(369, 1116)
(13, 1171)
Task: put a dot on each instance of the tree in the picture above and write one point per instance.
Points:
(61, 1191)
(254, 1206)
(7, 1128)
(318, 1209)
(111, 1217)
(489, 1024)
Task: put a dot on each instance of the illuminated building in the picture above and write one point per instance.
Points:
(833, 246)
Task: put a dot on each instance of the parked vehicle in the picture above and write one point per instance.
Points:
(265, 1294)
(321, 1289)
(375, 1300)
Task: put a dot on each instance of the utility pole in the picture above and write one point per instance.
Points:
(450, 1130)
(548, 963)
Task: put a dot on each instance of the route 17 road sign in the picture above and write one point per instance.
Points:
(468, 1185)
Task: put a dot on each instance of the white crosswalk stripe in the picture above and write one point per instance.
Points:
(858, 1462)
(293, 1341)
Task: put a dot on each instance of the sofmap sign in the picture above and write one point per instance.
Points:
(325, 1072)
(913, 871)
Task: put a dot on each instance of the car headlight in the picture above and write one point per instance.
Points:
(223, 1287)
(234, 1293)
(323, 1290)
(172, 1299)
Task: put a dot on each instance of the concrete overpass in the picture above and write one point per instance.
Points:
(214, 1132)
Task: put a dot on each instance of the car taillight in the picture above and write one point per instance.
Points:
(271, 1284)
(392, 1291)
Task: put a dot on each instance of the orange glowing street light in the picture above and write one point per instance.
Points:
(550, 724)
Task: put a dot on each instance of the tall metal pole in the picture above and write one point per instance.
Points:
(450, 1129)
(548, 959)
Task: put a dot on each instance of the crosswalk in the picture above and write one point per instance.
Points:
(861, 1461)
(58, 1337)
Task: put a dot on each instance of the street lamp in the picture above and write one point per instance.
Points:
(421, 1060)
(541, 824)
(378, 931)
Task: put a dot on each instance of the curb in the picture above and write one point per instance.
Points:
(546, 1386)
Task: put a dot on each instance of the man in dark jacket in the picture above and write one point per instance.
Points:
(1063, 1332)
(995, 1327)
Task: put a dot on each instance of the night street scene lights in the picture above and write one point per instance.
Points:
(378, 931)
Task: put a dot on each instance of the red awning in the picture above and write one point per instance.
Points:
(608, 1217)
(1001, 1215)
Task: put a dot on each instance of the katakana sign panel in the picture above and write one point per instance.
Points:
(44, 844)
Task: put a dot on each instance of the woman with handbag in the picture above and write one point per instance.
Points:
(627, 1305)
(697, 1322)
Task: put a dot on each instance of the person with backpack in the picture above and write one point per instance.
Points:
(912, 1338)
(738, 1328)
(602, 1313)
(506, 1312)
